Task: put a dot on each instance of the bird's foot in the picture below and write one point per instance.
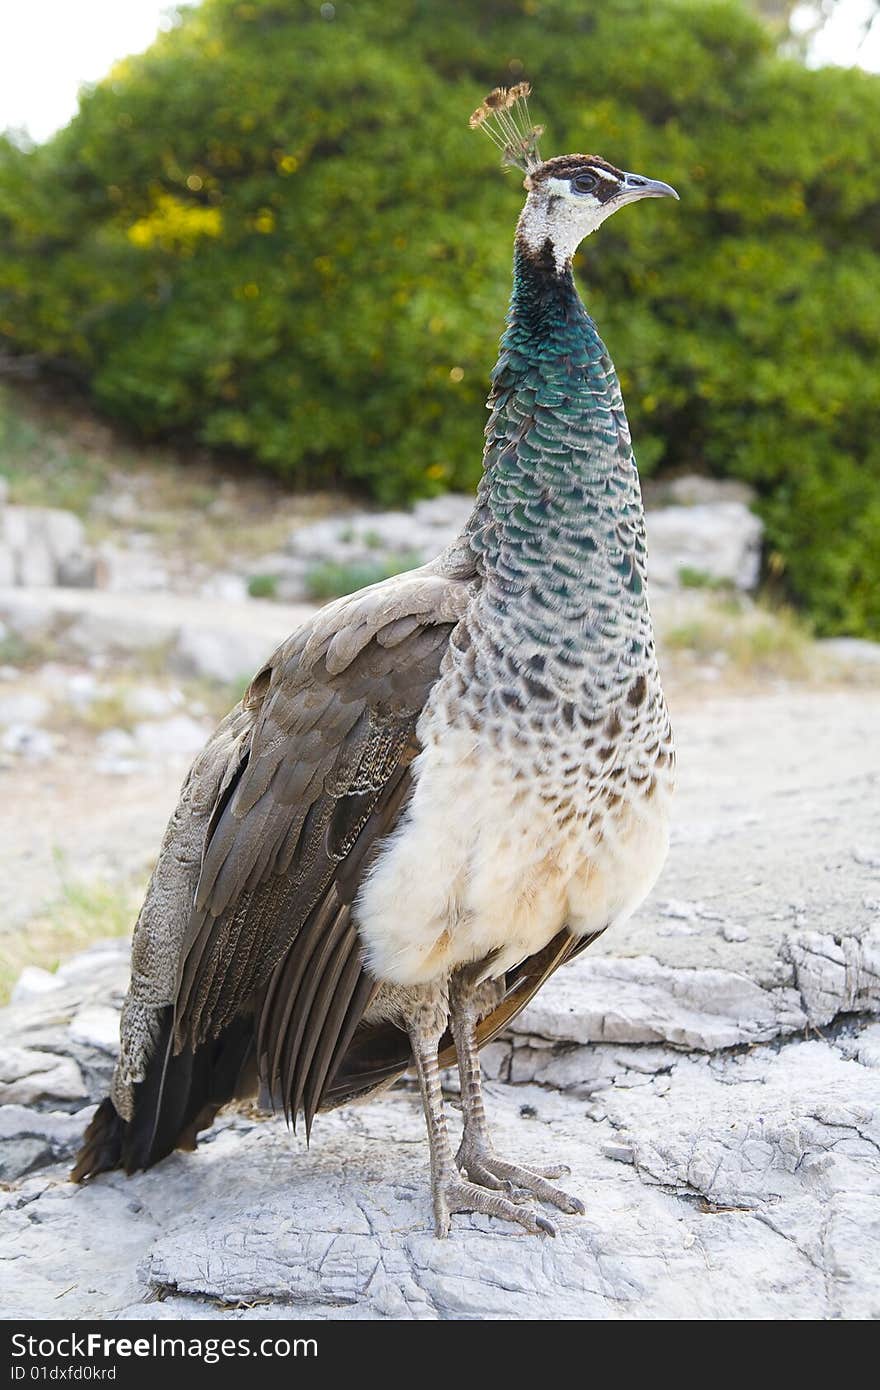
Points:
(458, 1195)
(483, 1166)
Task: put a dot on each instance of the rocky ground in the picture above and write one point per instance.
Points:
(711, 1072)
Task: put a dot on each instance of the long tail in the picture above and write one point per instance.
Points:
(179, 1096)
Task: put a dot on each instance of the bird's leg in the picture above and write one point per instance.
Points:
(426, 1023)
(476, 1154)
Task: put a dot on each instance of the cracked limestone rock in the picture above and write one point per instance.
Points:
(744, 1187)
(728, 1156)
(719, 1183)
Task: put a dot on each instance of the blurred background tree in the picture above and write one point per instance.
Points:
(274, 233)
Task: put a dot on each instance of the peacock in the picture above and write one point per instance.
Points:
(440, 788)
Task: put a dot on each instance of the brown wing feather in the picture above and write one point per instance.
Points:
(270, 928)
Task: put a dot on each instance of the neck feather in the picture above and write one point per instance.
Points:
(559, 528)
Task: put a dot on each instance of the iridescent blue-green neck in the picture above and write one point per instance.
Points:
(558, 528)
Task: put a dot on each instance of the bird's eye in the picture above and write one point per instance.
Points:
(584, 183)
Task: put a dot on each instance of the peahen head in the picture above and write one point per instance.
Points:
(568, 196)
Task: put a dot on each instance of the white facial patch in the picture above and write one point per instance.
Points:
(554, 213)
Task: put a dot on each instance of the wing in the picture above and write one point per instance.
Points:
(276, 821)
(322, 780)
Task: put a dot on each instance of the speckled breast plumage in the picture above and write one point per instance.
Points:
(541, 792)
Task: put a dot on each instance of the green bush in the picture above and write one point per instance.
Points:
(274, 232)
(333, 579)
(263, 586)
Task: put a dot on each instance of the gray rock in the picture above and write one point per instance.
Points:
(25, 615)
(98, 1026)
(97, 632)
(732, 931)
(724, 1181)
(78, 689)
(23, 707)
(42, 547)
(225, 588)
(447, 514)
(20, 1156)
(32, 982)
(132, 569)
(57, 1044)
(361, 537)
(26, 741)
(721, 541)
(219, 655)
(77, 570)
(32, 1139)
(638, 1000)
(695, 489)
(152, 701)
(743, 1189)
(28, 1076)
(117, 753)
(720, 1182)
(851, 649)
(105, 962)
(836, 975)
(221, 641)
(8, 566)
(180, 736)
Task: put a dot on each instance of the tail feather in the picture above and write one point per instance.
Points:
(178, 1097)
(101, 1148)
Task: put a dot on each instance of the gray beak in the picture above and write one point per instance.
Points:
(636, 187)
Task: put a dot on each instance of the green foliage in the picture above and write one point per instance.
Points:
(690, 578)
(275, 232)
(18, 651)
(263, 585)
(41, 468)
(333, 579)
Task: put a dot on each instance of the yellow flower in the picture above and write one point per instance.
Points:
(175, 225)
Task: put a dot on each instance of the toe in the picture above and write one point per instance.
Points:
(478, 1173)
(546, 1192)
(466, 1197)
(535, 1185)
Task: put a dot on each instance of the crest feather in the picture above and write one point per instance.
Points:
(504, 116)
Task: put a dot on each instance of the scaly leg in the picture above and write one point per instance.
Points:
(450, 1192)
(476, 1155)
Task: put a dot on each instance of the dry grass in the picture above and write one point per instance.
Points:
(215, 698)
(109, 711)
(83, 913)
(743, 641)
(209, 513)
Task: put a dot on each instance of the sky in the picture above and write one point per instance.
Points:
(49, 48)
